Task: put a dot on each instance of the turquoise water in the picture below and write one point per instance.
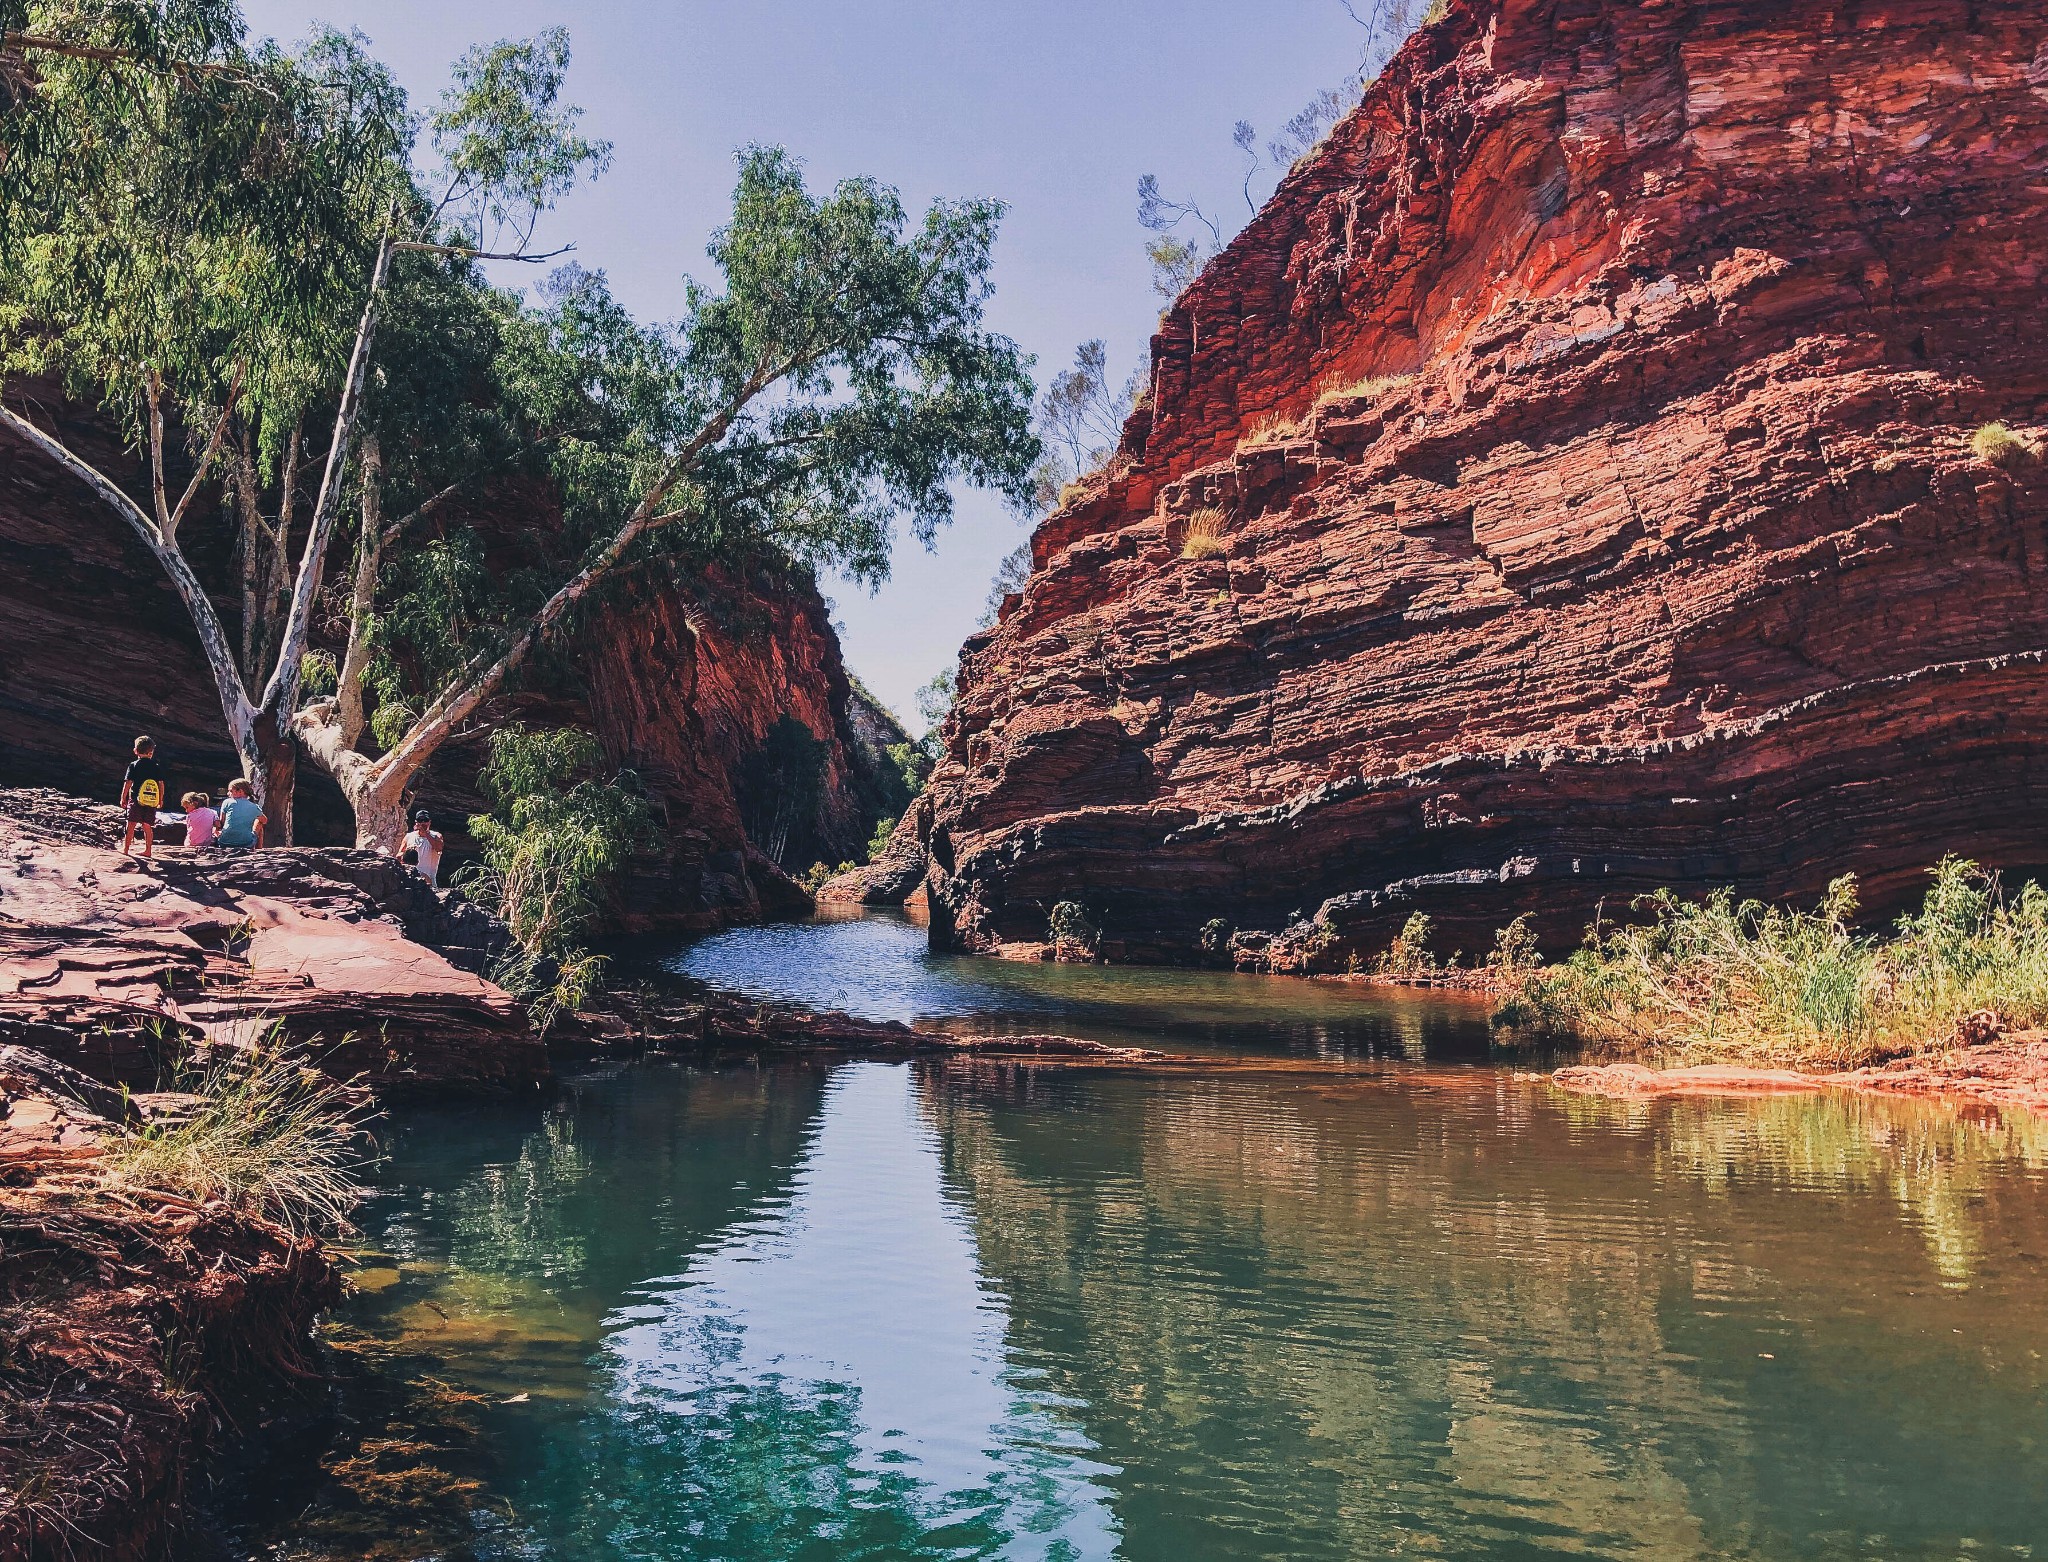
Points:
(1358, 1309)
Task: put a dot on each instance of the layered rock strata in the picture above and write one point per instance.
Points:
(138, 1331)
(1587, 429)
(679, 676)
(118, 967)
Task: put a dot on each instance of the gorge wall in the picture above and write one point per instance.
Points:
(1589, 426)
(681, 680)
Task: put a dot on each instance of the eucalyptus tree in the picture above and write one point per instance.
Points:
(841, 377)
(200, 235)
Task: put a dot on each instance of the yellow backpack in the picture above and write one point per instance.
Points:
(150, 794)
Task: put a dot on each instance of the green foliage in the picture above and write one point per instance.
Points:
(840, 379)
(558, 834)
(270, 1133)
(192, 212)
(1070, 927)
(879, 841)
(1215, 937)
(819, 874)
(1514, 949)
(1409, 954)
(1727, 979)
(935, 699)
(509, 148)
(1998, 444)
(1175, 264)
(318, 673)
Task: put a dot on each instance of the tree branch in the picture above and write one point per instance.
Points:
(220, 429)
(422, 247)
(213, 640)
(281, 690)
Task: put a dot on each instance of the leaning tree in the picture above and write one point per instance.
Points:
(840, 376)
(200, 235)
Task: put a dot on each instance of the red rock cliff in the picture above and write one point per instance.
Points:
(680, 680)
(1589, 422)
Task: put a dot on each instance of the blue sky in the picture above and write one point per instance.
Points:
(1054, 106)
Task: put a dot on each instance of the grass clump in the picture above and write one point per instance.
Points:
(1738, 981)
(1203, 538)
(1272, 429)
(1369, 388)
(2001, 446)
(270, 1134)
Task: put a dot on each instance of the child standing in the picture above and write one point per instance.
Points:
(142, 794)
(199, 818)
(241, 821)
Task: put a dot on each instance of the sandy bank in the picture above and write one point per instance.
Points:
(2012, 1071)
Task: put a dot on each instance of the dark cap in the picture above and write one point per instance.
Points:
(420, 816)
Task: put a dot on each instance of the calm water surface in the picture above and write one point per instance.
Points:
(1372, 1310)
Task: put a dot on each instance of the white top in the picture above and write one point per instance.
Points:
(429, 853)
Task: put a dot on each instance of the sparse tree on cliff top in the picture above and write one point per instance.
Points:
(201, 235)
(841, 377)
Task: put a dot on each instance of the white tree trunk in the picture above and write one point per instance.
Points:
(235, 707)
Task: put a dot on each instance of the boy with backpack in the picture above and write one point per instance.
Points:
(142, 794)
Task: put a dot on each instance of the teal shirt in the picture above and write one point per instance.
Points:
(238, 816)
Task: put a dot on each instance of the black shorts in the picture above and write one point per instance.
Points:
(141, 813)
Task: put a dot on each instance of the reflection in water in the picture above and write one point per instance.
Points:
(969, 1310)
(880, 969)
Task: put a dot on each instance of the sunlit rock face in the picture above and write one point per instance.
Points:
(1590, 424)
(681, 676)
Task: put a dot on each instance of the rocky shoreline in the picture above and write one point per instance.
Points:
(137, 1328)
(139, 1331)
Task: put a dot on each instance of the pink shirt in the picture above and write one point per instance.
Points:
(199, 827)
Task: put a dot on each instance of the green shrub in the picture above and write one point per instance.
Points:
(1216, 937)
(1725, 979)
(1514, 948)
(1409, 954)
(1998, 444)
(819, 874)
(1070, 927)
(553, 844)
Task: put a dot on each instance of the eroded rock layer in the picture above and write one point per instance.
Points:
(1589, 428)
(681, 679)
(117, 966)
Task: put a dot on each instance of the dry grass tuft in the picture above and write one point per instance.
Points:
(1370, 388)
(1272, 429)
(2001, 446)
(1203, 538)
(270, 1134)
